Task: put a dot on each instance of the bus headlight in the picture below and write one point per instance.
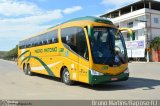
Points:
(126, 71)
(93, 72)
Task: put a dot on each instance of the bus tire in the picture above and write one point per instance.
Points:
(66, 77)
(30, 73)
(25, 70)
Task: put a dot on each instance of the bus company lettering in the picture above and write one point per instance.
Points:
(39, 50)
(46, 50)
(50, 49)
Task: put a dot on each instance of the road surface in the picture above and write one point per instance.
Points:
(144, 83)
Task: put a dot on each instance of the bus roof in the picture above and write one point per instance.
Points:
(88, 18)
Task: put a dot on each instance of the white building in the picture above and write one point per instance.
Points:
(144, 18)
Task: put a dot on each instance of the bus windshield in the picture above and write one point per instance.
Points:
(107, 46)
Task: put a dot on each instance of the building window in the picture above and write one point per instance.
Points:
(130, 25)
(128, 37)
(156, 20)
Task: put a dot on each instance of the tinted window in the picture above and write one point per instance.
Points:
(102, 45)
(74, 39)
(43, 39)
(107, 46)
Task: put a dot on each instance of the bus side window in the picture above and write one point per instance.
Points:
(82, 43)
(50, 41)
(68, 38)
(53, 40)
(75, 38)
(43, 39)
(45, 42)
(54, 36)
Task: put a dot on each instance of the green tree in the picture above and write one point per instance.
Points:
(12, 54)
(155, 43)
(2, 54)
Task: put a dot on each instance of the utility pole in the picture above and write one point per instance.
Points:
(146, 32)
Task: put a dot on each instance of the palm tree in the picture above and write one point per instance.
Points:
(155, 43)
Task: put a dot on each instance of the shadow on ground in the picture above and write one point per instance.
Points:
(131, 83)
(47, 77)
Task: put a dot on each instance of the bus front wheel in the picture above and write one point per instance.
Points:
(29, 70)
(25, 70)
(66, 77)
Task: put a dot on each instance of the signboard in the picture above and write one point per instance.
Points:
(135, 44)
(129, 52)
(138, 53)
(135, 48)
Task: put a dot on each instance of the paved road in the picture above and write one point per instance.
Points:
(144, 83)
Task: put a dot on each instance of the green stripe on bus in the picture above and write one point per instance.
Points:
(23, 54)
(24, 59)
(44, 65)
(29, 57)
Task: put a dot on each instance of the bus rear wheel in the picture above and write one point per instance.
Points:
(66, 77)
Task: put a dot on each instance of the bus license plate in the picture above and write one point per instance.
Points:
(114, 79)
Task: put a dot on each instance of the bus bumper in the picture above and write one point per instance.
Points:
(94, 79)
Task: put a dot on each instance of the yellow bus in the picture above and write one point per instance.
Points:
(87, 49)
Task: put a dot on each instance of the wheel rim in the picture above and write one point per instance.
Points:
(29, 70)
(66, 77)
(25, 69)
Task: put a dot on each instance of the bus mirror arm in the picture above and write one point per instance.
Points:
(130, 32)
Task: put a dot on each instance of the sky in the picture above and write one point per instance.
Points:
(22, 18)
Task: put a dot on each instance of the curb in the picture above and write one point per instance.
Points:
(9, 61)
(146, 62)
